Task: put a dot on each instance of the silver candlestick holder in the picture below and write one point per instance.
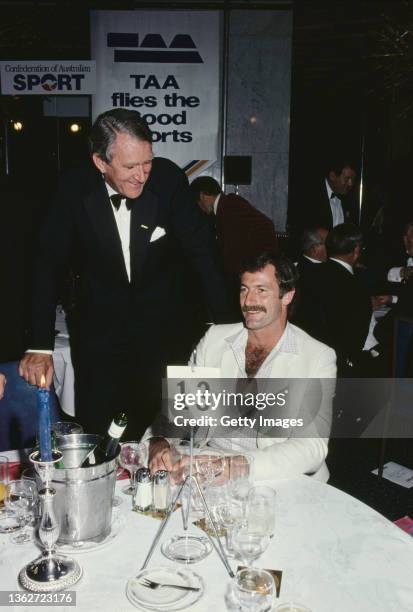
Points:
(50, 572)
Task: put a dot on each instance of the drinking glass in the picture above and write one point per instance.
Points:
(20, 500)
(254, 590)
(62, 428)
(261, 510)
(4, 477)
(30, 475)
(132, 456)
(209, 465)
(230, 516)
(240, 478)
(249, 545)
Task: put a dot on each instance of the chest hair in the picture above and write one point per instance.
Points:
(254, 358)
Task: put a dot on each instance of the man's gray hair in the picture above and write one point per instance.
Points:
(113, 122)
(311, 237)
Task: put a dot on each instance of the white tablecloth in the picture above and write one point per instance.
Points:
(336, 554)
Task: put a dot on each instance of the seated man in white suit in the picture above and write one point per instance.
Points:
(267, 346)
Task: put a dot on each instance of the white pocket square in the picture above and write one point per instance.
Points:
(157, 233)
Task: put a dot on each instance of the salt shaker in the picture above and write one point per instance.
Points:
(160, 490)
(143, 497)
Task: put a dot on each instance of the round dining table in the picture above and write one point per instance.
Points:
(336, 555)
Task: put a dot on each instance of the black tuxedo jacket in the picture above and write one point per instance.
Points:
(347, 310)
(113, 311)
(309, 309)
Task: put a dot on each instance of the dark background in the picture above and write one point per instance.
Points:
(352, 86)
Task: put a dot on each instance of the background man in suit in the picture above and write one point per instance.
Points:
(309, 312)
(241, 230)
(267, 346)
(347, 304)
(124, 216)
(403, 271)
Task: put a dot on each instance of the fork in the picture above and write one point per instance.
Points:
(150, 584)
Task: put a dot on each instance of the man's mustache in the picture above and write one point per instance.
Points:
(256, 308)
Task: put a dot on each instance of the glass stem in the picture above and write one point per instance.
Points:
(133, 480)
(228, 538)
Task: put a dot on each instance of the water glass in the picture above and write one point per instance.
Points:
(249, 545)
(20, 501)
(254, 590)
(261, 510)
(30, 475)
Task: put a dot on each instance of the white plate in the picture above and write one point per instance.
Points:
(118, 523)
(165, 598)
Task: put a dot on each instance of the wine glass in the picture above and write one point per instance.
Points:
(249, 545)
(230, 516)
(20, 500)
(254, 590)
(132, 456)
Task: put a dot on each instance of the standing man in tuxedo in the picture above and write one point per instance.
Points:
(333, 204)
(124, 216)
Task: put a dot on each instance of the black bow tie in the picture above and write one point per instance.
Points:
(116, 200)
(335, 195)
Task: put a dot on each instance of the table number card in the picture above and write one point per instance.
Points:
(189, 388)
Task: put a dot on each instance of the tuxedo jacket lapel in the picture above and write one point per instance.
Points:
(143, 217)
(99, 210)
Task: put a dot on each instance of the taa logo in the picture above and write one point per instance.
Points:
(153, 49)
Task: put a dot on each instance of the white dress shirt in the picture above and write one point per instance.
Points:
(122, 218)
(336, 207)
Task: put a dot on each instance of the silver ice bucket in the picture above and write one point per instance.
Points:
(83, 502)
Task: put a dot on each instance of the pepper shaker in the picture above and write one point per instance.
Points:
(161, 490)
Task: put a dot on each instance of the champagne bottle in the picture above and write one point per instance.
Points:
(107, 448)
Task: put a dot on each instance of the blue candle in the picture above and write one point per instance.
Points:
(45, 437)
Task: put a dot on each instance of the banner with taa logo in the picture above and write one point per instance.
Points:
(47, 78)
(166, 66)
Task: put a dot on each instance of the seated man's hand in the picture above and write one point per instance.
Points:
(2, 385)
(160, 455)
(35, 365)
